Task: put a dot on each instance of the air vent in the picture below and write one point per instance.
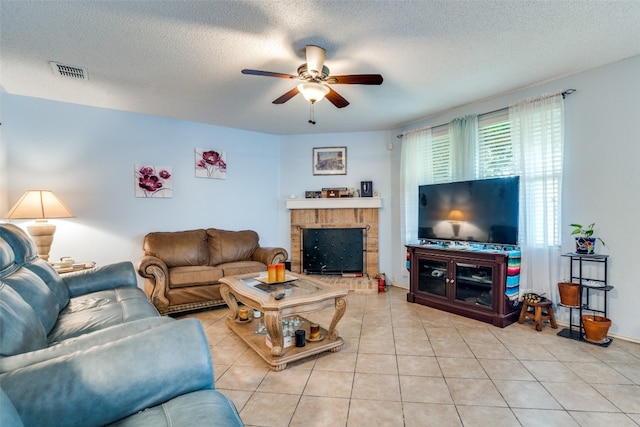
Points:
(69, 71)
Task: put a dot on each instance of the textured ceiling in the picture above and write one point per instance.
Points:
(182, 59)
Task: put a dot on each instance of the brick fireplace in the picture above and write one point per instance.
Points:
(338, 213)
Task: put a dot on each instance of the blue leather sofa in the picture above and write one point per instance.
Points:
(89, 349)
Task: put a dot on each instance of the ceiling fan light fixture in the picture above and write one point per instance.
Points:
(313, 91)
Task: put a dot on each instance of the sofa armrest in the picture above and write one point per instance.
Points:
(106, 383)
(270, 255)
(156, 283)
(100, 278)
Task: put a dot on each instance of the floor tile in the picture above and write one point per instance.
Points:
(625, 397)
(526, 394)
(329, 384)
(430, 415)
(269, 409)
(545, 418)
(486, 416)
(377, 364)
(579, 397)
(376, 387)
(292, 381)
(551, 371)
(461, 367)
(424, 390)
(313, 411)
(498, 369)
(477, 392)
(423, 366)
(368, 413)
(451, 349)
(599, 419)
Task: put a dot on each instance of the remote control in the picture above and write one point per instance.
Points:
(279, 296)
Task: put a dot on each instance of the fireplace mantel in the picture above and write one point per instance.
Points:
(335, 203)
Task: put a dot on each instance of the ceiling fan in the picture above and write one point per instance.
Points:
(316, 79)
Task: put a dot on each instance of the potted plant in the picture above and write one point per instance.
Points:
(595, 327)
(569, 294)
(585, 240)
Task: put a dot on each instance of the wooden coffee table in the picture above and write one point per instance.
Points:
(302, 295)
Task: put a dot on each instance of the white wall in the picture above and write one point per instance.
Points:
(86, 156)
(601, 182)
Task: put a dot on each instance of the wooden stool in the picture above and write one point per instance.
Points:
(536, 313)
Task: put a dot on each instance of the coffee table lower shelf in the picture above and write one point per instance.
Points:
(247, 332)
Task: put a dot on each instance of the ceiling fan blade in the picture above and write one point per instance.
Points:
(287, 96)
(356, 79)
(336, 99)
(269, 74)
(315, 59)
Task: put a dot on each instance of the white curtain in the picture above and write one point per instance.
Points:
(538, 137)
(463, 133)
(414, 171)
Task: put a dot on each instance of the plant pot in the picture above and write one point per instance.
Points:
(595, 327)
(569, 294)
(585, 245)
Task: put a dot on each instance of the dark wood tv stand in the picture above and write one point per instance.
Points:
(468, 282)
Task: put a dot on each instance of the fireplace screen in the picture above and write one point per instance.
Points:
(332, 250)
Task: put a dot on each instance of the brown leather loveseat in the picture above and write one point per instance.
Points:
(181, 269)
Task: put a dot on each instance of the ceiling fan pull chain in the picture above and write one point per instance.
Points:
(312, 119)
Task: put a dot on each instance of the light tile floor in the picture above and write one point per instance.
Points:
(408, 365)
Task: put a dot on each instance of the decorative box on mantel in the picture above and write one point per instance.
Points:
(345, 212)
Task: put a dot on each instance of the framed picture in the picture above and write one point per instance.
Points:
(153, 181)
(330, 161)
(211, 163)
(366, 188)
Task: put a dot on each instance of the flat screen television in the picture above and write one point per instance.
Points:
(483, 211)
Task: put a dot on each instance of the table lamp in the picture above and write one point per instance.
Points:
(40, 205)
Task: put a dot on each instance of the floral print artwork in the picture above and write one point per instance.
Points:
(211, 164)
(153, 181)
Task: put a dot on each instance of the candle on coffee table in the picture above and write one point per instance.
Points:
(314, 331)
(271, 273)
(280, 272)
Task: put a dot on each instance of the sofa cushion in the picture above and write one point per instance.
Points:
(178, 248)
(101, 310)
(228, 246)
(35, 293)
(20, 327)
(242, 267)
(180, 277)
(52, 279)
(190, 409)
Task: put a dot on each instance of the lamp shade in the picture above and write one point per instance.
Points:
(39, 204)
(313, 91)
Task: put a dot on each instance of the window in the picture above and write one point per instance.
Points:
(495, 150)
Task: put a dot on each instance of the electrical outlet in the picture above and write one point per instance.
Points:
(393, 279)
